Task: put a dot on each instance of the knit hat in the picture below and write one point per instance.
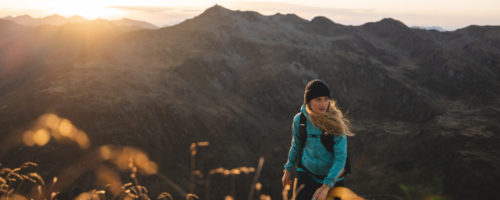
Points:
(316, 88)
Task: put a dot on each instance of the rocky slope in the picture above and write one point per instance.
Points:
(424, 104)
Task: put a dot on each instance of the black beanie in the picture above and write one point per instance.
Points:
(316, 88)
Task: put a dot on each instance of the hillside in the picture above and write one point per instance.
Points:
(424, 104)
(56, 20)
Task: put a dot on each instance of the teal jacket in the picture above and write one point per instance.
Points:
(315, 157)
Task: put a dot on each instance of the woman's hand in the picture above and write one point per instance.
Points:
(321, 193)
(286, 178)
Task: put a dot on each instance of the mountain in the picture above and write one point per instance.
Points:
(437, 28)
(424, 104)
(134, 23)
(60, 20)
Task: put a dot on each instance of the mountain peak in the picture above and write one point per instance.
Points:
(23, 17)
(132, 23)
(289, 18)
(322, 20)
(216, 10)
(391, 23)
(385, 26)
(54, 16)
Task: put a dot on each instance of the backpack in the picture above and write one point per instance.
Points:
(326, 140)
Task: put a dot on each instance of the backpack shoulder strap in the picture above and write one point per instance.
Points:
(302, 130)
(327, 141)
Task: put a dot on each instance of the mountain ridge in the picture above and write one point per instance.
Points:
(421, 102)
(55, 19)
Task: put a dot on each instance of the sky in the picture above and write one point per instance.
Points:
(447, 14)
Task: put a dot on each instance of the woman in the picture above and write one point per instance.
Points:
(318, 169)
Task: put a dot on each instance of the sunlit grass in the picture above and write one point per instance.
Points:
(110, 161)
(123, 159)
(50, 126)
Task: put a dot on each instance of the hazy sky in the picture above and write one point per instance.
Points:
(448, 14)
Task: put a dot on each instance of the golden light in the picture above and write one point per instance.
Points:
(219, 170)
(287, 187)
(105, 152)
(228, 198)
(128, 197)
(285, 190)
(265, 197)
(28, 138)
(258, 186)
(122, 161)
(41, 137)
(130, 158)
(107, 176)
(84, 196)
(141, 158)
(244, 170)
(145, 165)
(52, 121)
(65, 128)
(235, 172)
(203, 144)
(343, 193)
(90, 9)
(82, 139)
(17, 197)
(149, 168)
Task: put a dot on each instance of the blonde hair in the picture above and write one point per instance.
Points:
(332, 121)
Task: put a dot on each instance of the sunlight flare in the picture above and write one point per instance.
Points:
(41, 137)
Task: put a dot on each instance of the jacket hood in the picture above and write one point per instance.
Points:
(303, 110)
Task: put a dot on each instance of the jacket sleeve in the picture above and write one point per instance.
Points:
(296, 148)
(340, 156)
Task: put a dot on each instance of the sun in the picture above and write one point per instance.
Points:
(90, 9)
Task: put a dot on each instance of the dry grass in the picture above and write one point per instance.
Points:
(108, 161)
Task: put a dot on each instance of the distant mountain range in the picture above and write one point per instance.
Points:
(437, 28)
(424, 104)
(60, 20)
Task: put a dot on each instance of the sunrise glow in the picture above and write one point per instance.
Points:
(444, 13)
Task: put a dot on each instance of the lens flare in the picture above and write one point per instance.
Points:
(244, 170)
(66, 128)
(235, 172)
(28, 138)
(82, 139)
(203, 144)
(105, 152)
(258, 186)
(52, 121)
(107, 176)
(149, 168)
(41, 137)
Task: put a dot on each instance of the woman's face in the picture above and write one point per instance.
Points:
(319, 104)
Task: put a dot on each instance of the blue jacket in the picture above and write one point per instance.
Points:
(315, 157)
